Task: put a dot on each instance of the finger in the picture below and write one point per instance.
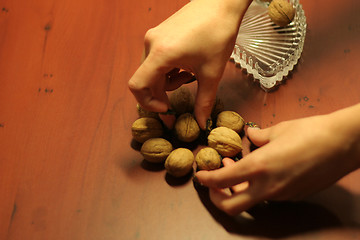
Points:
(228, 162)
(147, 85)
(144, 55)
(258, 136)
(205, 98)
(239, 172)
(232, 204)
(238, 187)
(168, 120)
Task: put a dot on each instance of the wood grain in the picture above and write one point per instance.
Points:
(68, 168)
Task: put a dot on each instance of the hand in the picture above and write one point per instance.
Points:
(295, 159)
(199, 38)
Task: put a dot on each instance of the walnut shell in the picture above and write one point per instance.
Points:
(208, 159)
(230, 119)
(179, 162)
(186, 128)
(281, 12)
(225, 141)
(156, 150)
(145, 113)
(182, 100)
(145, 128)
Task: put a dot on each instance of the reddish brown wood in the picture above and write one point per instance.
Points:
(67, 166)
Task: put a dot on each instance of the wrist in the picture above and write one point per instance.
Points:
(234, 9)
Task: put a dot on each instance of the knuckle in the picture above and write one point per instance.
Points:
(159, 47)
(211, 73)
(277, 192)
(133, 85)
(162, 49)
(259, 167)
(149, 35)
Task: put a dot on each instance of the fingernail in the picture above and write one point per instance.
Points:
(168, 120)
(253, 125)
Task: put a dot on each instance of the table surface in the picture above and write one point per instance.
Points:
(68, 166)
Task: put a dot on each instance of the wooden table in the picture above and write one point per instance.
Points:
(68, 169)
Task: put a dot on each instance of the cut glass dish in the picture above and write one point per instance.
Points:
(269, 52)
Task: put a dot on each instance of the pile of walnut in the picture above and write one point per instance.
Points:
(281, 12)
(223, 139)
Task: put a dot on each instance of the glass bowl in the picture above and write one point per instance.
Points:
(269, 52)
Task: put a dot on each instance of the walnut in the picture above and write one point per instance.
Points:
(145, 113)
(225, 141)
(281, 12)
(156, 150)
(187, 128)
(145, 128)
(179, 162)
(208, 159)
(182, 101)
(230, 119)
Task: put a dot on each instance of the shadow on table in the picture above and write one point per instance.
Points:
(274, 219)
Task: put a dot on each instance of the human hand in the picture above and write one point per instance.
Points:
(199, 39)
(295, 159)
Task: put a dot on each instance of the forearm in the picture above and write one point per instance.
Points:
(236, 7)
(234, 10)
(346, 126)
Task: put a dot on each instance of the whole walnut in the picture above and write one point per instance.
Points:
(186, 128)
(208, 159)
(145, 128)
(179, 162)
(145, 113)
(182, 100)
(281, 12)
(230, 119)
(225, 141)
(156, 150)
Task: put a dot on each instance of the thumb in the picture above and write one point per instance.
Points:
(258, 136)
